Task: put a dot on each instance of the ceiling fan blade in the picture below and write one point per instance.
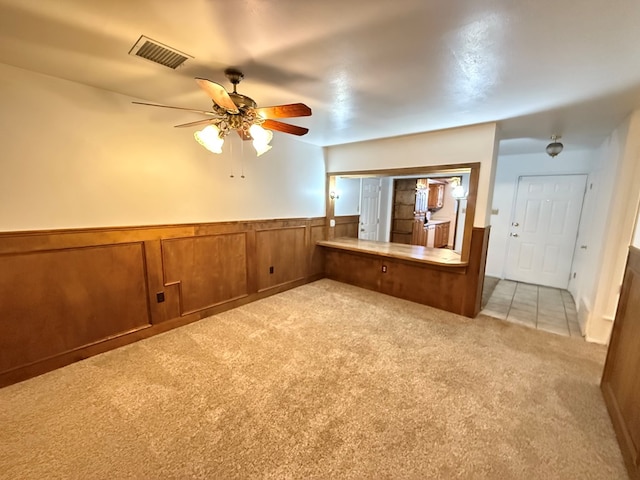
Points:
(284, 127)
(204, 112)
(284, 111)
(193, 124)
(218, 94)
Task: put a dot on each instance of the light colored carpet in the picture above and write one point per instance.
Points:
(323, 381)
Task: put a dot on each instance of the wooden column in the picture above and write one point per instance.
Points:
(621, 379)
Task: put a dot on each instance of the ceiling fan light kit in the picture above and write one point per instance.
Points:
(234, 111)
(555, 147)
(209, 138)
(261, 138)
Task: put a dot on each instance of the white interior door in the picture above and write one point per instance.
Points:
(544, 228)
(369, 209)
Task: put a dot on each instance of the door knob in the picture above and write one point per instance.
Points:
(515, 224)
(513, 234)
(362, 229)
(584, 247)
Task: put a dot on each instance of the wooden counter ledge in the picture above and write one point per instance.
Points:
(413, 253)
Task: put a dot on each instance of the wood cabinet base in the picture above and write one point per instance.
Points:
(454, 289)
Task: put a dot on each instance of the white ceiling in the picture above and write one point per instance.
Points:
(367, 68)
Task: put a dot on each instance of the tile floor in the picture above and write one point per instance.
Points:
(545, 308)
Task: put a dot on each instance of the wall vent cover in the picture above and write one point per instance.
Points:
(156, 52)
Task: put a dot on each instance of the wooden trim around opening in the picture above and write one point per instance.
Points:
(473, 168)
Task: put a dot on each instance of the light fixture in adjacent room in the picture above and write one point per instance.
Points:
(555, 147)
(457, 190)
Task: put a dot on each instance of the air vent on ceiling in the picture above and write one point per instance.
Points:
(157, 52)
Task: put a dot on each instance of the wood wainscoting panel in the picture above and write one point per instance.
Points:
(69, 294)
(170, 308)
(60, 300)
(347, 226)
(210, 269)
(316, 261)
(474, 278)
(620, 380)
(454, 287)
(353, 268)
(281, 256)
(438, 288)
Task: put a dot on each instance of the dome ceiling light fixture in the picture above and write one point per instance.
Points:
(555, 147)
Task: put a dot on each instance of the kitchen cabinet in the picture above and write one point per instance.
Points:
(441, 235)
(434, 234)
(419, 234)
(436, 195)
(437, 234)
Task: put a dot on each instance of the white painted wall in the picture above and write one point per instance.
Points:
(476, 143)
(349, 201)
(617, 170)
(510, 168)
(593, 224)
(77, 156)
(636, 236)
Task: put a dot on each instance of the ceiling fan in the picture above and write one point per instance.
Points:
(234, 111)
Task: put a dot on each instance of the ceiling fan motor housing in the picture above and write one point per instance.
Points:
(234, 76)
(242, 101)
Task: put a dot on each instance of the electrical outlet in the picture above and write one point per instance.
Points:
(384, 269)
(271, 269)
(160, 297)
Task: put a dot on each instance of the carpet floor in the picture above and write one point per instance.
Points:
(322, 381)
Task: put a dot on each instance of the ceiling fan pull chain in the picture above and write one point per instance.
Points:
(241, 158)
(231, 159)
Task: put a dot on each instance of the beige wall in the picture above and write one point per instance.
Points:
(619, 160)
(636, 236)
(77, 156)
(476, 143)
